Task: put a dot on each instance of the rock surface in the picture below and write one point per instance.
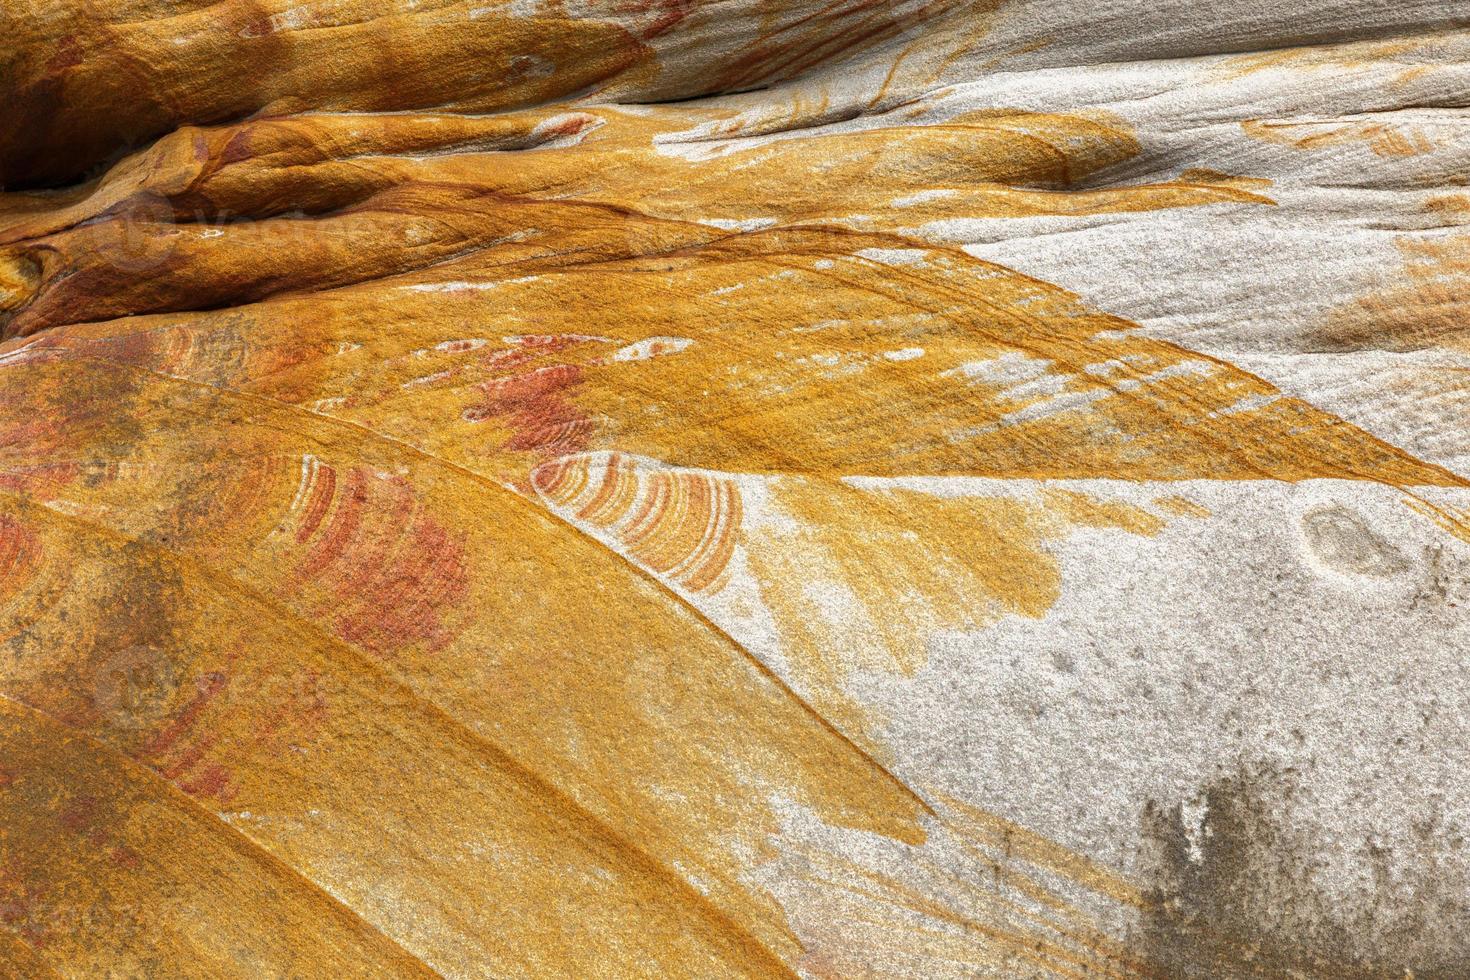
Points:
(905, 489)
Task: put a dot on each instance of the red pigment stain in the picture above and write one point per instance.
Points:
(536, 405)
(238, 147)
(283, 710)
(69, 53)
(205, 690)
(79, 813)
(322, 490)
(45, 423)
(665, 13)
(20, 556)
(178, 750)
(214, 781)
(388, 568)
(20, 902)
(32, 436)
(570, 126)
(125, 857)
(81, 816)
(130, 348)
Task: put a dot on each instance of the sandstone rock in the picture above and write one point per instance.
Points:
(625, 489)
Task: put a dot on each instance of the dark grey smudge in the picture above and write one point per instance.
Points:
(1235, 895)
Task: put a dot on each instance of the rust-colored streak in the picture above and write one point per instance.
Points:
(541, 420)
(387, 573)
(996, 832)
(682, 525)
(20, 556)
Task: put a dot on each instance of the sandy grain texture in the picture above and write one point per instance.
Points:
(760, 488)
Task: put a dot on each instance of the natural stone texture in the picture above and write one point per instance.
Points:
(625, 489)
